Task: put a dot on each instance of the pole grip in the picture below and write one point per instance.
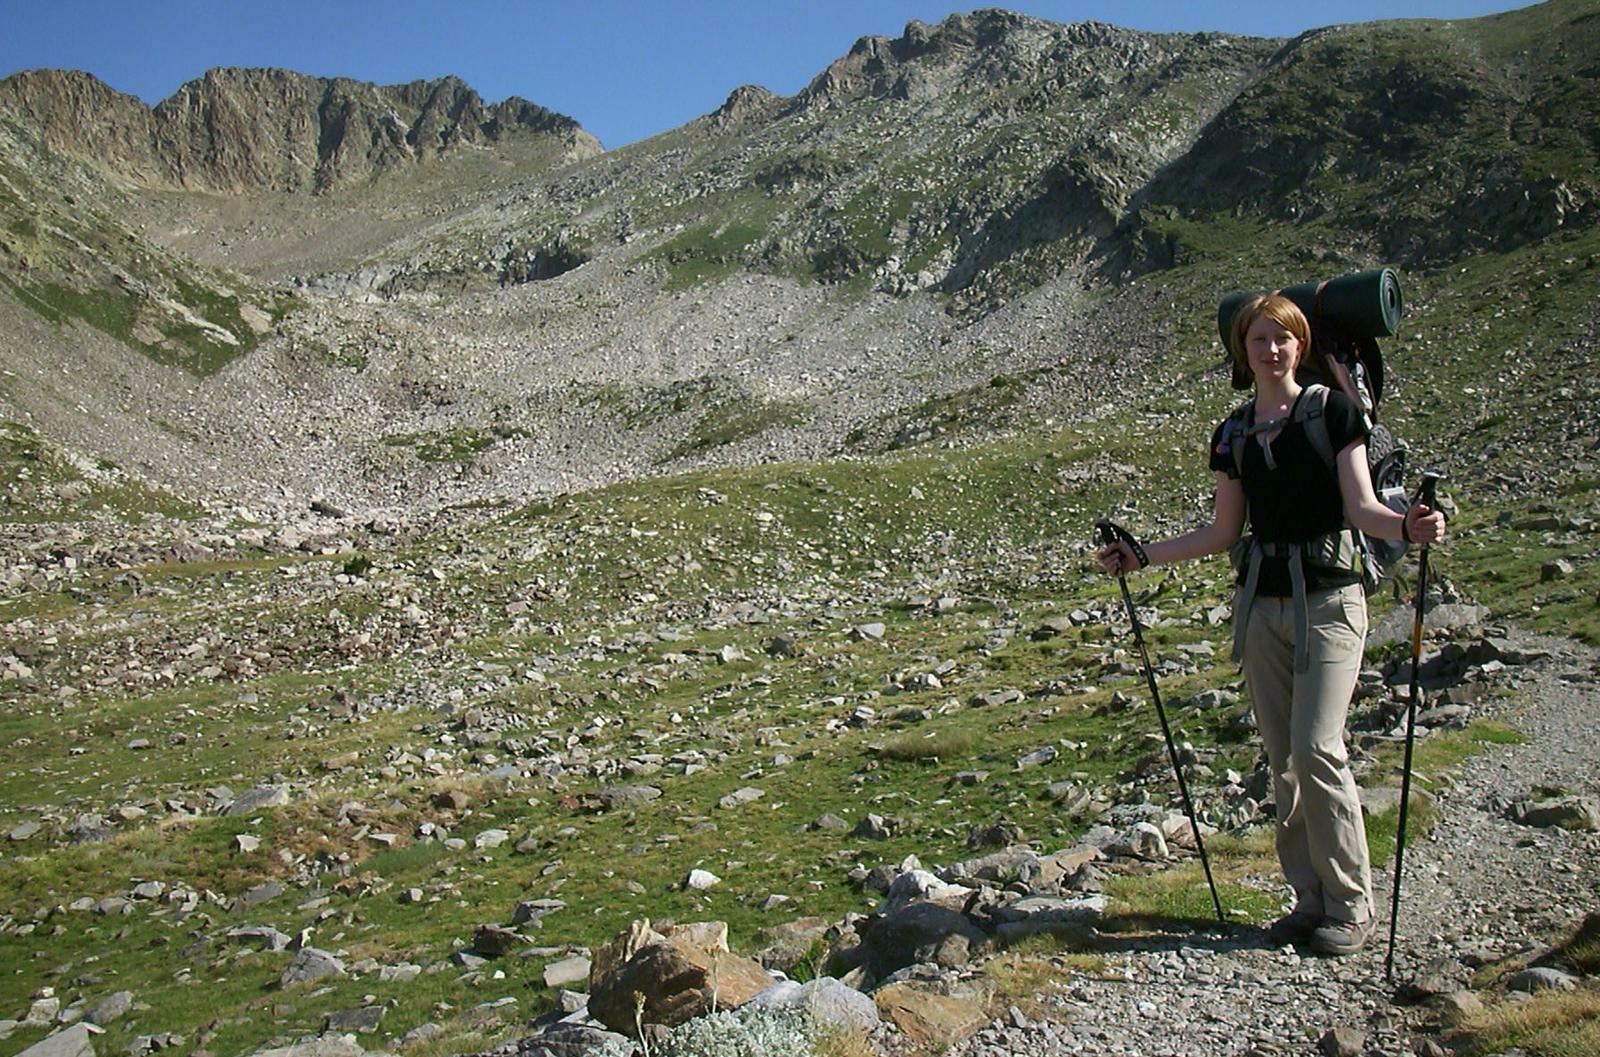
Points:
(1427, 491)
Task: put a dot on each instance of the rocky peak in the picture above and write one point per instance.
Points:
(996, 46)
(243, 130)
(75, 113)
(743, 104)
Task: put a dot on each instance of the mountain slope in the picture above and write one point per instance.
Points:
(966, 230)
(1412, 142)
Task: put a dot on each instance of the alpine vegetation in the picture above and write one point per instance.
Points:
(465, 590)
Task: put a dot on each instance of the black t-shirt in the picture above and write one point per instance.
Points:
(1297, 499)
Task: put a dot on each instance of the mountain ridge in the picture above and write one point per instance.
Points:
(244, 130)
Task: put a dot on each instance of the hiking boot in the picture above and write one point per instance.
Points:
(1340, 938)
(1296, 926)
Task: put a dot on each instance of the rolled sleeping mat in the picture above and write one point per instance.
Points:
(1365, 305)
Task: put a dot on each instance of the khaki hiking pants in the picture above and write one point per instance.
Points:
(1322, 844)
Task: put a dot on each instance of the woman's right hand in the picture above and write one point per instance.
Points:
(1117, 558)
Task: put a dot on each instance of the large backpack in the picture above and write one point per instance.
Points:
(1344, 355)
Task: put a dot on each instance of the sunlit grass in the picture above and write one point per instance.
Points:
(1544, 1025)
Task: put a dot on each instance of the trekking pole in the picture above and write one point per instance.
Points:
(1425, 494)
(1109, 534)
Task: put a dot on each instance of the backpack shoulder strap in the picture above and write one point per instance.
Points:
(1235, 430)
(1310, 413)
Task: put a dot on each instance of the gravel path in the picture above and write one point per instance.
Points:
(1482, 887)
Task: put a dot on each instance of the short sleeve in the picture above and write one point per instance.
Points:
(1347, 422)
(1222, 459)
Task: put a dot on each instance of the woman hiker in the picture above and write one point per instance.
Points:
(1300, 683)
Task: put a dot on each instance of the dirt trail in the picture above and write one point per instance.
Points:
(1480, 888)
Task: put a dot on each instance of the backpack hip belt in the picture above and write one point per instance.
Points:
(1336, 544)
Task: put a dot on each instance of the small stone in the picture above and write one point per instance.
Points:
(876, 827)
(1342, 1042)
(1574, 813)
(740, 797)
(930, 1021)
(1555, 569)
(261, 893)
(490, 838)
(266, 796)
(620, 796)
(829, 1002)
(873, 632)
(70, 1042)
(785, 646)
(311, 964)
(420, 1033)
(1037, 757)
(362, 1021)
(700, 880)
(1207, 700)
(1458, 1006)
(1541, 978)
(451, 800)
(1144, 840)
(264, 936)
(567, 972)
(492, 941)
(110, 1008)
(43, 1010)
(1050, 627)
(532, 911)
(246, 842)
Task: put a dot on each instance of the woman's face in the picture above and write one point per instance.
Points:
(1271, 349)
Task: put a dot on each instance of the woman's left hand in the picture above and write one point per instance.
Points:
(1424, 525)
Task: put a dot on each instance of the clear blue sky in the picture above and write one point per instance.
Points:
(625, 69)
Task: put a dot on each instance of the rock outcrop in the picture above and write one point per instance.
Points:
(648, 977)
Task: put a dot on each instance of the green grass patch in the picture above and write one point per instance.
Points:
(1245, 870)
(713, 249)
(731, 422)
(460, 445)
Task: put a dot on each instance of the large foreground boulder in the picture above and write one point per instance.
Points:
(929, 1020)
(826, 1000)
(921, 932)
(678, 973)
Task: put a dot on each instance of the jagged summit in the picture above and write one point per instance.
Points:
(243, 130)
(745, 103)
(992, 45)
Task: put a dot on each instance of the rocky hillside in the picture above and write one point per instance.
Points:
(937, 240)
